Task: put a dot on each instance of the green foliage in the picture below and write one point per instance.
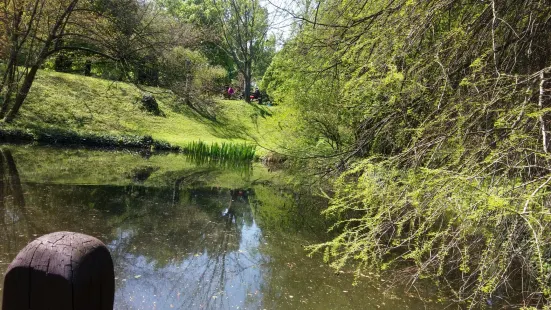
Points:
(54, 136)
(220, 152)
(188, 74)
(443, 223)
(441, 109)
(196, 12)
(236, 28)
(264, 56)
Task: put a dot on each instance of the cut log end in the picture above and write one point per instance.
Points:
(62, 270)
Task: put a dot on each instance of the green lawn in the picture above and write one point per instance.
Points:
(91, 105)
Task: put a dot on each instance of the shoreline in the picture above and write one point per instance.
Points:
(109, 142)
(67, 138)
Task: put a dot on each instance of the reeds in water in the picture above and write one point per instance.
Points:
(242, 152)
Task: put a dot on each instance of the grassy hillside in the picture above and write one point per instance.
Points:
(90, 105)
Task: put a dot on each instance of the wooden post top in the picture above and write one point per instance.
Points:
(61, 270)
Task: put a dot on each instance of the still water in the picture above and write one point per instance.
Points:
(183, 235)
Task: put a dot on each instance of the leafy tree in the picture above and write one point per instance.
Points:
(188, 74)
(239, 28)
(244, 28)
(122, 31)
(265, 54)
(442, 110)
(202, 16)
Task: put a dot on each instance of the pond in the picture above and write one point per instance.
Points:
(183, 235)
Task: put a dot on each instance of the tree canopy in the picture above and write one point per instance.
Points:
(236, 29)
(35, 30)
(436, 117)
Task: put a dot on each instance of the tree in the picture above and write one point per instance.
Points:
(444, 107)
(200, 15)
(264, 56)
(37, 26)
(188, 74)
(239, 28)
(121, 30)
(243, 25)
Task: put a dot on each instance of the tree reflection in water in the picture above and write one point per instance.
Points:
(199, 253)
(13, 226)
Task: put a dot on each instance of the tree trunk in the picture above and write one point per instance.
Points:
(188, 82)
(247, 77)
(23, 92)
(7, 98)
(13, 179)
(88, 68)
(55, 34)
(544, 118)
(6, 75)
(8, 82)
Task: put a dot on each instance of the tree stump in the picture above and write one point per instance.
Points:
(149, 104)
(62, 270)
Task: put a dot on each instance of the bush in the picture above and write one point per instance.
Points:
(473, 237)
(444, 125)
(188, 74)
(68, 137)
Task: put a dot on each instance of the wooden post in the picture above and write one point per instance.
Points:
(62, 270)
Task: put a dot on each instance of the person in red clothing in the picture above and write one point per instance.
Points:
(231, 91)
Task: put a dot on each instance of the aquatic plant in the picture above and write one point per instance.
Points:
(220, 152)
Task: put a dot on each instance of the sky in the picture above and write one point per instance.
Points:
(280, 19)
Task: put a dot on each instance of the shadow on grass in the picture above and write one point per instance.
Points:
(261, 110)
(224, 129)
(208, 112)
(204, 111)
(77, 82)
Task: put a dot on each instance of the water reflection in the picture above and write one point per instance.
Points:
(13, 214)
(195, 254)
(183, 243)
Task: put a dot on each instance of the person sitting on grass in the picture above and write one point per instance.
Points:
(256, 95)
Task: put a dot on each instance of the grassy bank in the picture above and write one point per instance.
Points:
(77, 106)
